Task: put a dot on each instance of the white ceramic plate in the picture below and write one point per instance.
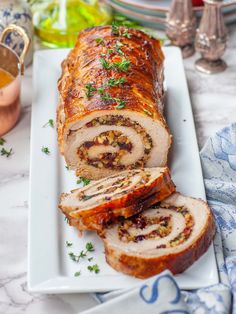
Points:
(50, 268)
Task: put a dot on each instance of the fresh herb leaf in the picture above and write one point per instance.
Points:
(49, 123)
(121, 105)
(45, 150)
(106, 65)
(126, 33)
(110, 51)
(6, 153)
(118, 47)
(87, 197)
(147, 112)
(101, 90)
(89, 90)
(94, 268)
(2, 141)
(114, 82)
(76, 258)
(89, 247)
(99, 41)
(66, 219)
(83, 180)
(77, 274)
(90, 259)
(68, 244)
(122, 66)
(115, 28)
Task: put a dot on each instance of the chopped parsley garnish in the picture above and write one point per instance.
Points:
(68, 244)
(126, 33)
(147, 112)
(94, 268)
(45, 150)
(114, 82)
(101, 90)
(99, 41)
(106, 65)
(66, 219)
(83, 180)
(122, 66)
(89, 90)
(118, 47)
(115, 28)
(120, 102)
(6, 153)
(2, 141)
(110, 51)
(121, 105)
(76, 258)
(87, 197)
(77, 274)
(49, 123)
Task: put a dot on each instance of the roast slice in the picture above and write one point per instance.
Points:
(124, 194)
(110, 119)
(171, 235)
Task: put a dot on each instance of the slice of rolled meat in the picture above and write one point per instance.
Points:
(172, 235)
(109, 116)
(120, 195)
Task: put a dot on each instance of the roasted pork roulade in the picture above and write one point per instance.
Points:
(172, 235)
(109, 115)
(123, 195)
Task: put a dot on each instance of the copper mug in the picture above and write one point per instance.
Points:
(10, 93)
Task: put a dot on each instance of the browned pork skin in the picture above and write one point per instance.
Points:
(109, 116)
(121, 195)
(170, 236)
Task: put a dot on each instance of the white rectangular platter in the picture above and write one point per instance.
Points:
(50, 268)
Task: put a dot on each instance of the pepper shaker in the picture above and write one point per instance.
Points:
(181, 26)
(211, 39)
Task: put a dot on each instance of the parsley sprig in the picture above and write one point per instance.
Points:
(115, 82)
(89, 90)
(6, 153)
(45, 150)
(83, 180)
(76, 258)
(120, 102)
(94, 268)
(49, 123)
(122, 65)
(2, 141)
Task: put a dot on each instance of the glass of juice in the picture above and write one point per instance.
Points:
(11, 69)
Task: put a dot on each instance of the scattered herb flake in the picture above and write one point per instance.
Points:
(68, 244)
(49, 123)
(110, 51)
(2, 141)
(89, 90)
(121, 105)
(106, 65)
(94, 268)
(101, 90)
(66, 219)
(90, 259)
(115, 28)
(118, 47)
(114, 82)
(83, 180)
(67, 167)
(89, 247)
(126, 33)
(77, 274)
(147, 112)
(122, 66)
(76, 258)
(6, 153)
(45, 150)
(99, 41)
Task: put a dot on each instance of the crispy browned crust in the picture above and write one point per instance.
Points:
(98, 221)
(142, 267)
(142, 90)
(162, 184)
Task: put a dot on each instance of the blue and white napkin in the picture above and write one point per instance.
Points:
(161, 294)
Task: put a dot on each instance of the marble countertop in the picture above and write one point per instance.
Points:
(214, 105)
